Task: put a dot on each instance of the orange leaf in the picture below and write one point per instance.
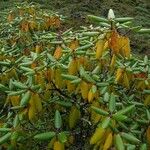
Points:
(58, 52)
(114, 42)
(10, 17)
(74, 44)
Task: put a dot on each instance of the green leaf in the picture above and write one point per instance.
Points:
(143, 121)
(131, 147)
(76, 81)
(126, 110)
(5, 129)
(27, 69)
(58, 120)
(144, 31)
(13, 93)
(104, 24)
(146, 60)
(25, 64)
(102, 84)
(90, 33)
(148, 114)
(65, 58)
(96, 70)
(119, 143)
(86, 76)
(105, 122)
(45, 136)
(62, 137)
(97, 19)
(120, 117)
(146, 92)
(100, 111)
(143, 147)
(129, 137)
(63, 103)
(112, 103)
(19, 85)
(3, 88)
(56, 42)
(69, 77)
(5, 138)
(106, 97)
(50, 57)
(124, 19)
(93, 89)
(14, 135)
(4, 63)
(84, 47)
(17, 107)
(16, 121)
(67, 31)
(25, 98)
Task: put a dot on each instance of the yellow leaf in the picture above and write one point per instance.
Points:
(15, 100)
(31, 10)
(38, 48)
(147, 100)
(91, 94)
(97, 136)
(71, 139)
(125, 46)
(74, 44)
(106, 46)
(108, 141)
(32, 110)
(39, 79)
(119, 74)
(32, 25)
(37, 101)
(113, 61)
(84, 90)
(58, 146)
(140, 85)
(74, 116)
(58, 78)
(51, 143)
(70, 87)
(126, 80)
(47, 92)
(73, 67)
(99, 48)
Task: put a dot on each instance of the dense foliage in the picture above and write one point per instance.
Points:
(71, 89)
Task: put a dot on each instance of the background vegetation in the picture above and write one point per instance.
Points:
(76, 11)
